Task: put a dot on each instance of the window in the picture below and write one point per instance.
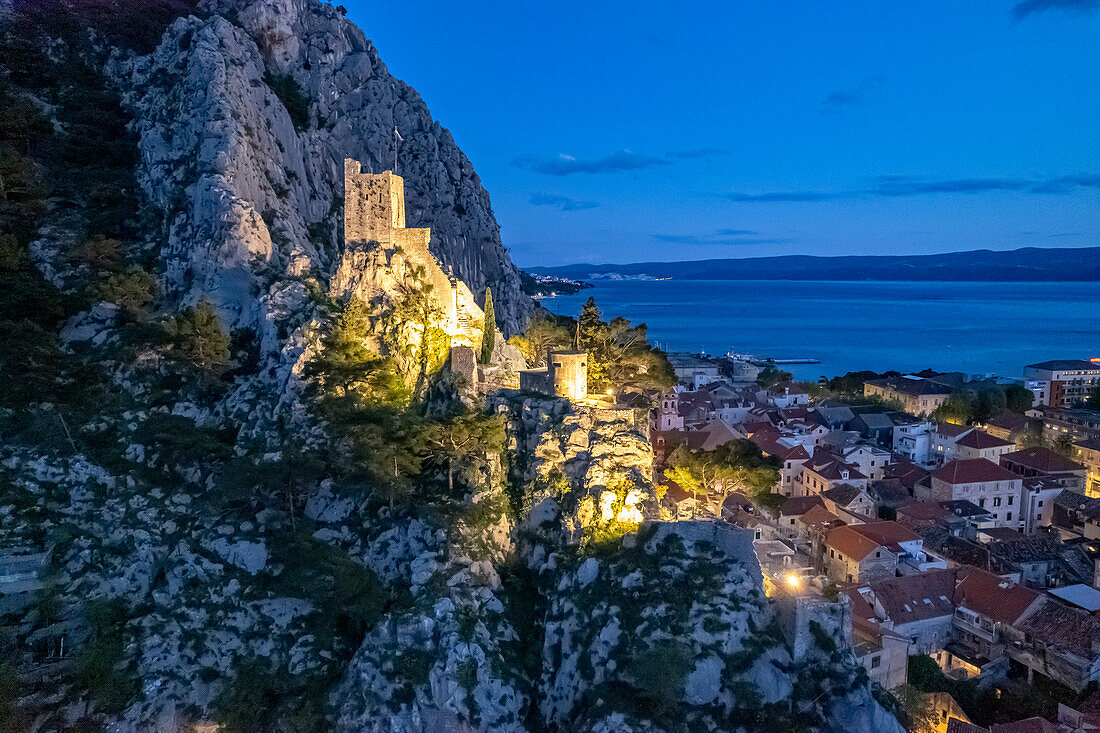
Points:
(981, 503)
(1009, 518)
(1010, 501)
(875, 661)
(996, 501)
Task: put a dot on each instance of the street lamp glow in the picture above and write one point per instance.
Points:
(793, 580)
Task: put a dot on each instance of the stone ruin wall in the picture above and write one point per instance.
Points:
(380, 250)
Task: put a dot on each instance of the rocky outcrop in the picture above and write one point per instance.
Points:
(674, 629)
(250, 182)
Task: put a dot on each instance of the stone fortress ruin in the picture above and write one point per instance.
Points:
(383, 254)
(565, 375)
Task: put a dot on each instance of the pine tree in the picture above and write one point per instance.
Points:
(489, 330)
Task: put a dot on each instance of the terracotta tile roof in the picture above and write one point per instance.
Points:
(923, 511)
(950, 429)
(1041, 459)
(917, 597)
(1064, 628)
(1009, 420)
(907, 472)
(972, 471)
(912, 387)
(886, 533)
(818, 517)
(978, 440)
(850, 543)
(842, 494)
(993, 596)
(798, 505)
(954, 725)
(832, 468)
(1028, 725)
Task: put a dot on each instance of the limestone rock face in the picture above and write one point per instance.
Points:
(252, 196)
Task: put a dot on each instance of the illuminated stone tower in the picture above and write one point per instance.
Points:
(382, 250)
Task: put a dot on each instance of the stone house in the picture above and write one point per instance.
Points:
(824, 471)
(920, 608)
(1044, 462)
(918, 396)
(982, 482)
(849, 502)
(851, 557)
(977, 444)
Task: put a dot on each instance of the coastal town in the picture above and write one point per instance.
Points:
(971, 542)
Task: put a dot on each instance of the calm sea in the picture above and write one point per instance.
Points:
(977, 328)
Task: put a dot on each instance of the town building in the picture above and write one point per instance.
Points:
(1010, 425)
(920, 608)
(918, 396)
(945, 441)
(668, 412)
(913, 441)
(982, 482)
(693, 370)
(824, 471)
(1088, 455)
(1046, 463)
(978, 444)
(1077, 424)
(852, 557)
(1062, 382)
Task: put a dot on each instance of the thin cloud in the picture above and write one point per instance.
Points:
(905, 186)
(1076, 7)
(856, 96)
(697, 153)
(722, 236)
(564, 203)
(564, 165)
(784, 196)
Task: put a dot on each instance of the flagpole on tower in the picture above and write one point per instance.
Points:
(396, 139)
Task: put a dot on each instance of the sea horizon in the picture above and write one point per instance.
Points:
(977, 327)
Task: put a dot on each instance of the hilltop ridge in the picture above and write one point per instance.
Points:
(1081, 264)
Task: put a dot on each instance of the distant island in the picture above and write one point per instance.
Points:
(1026, 264)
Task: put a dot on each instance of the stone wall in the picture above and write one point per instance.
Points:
(796, 612)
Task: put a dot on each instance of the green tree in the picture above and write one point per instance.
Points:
(462, 444)
(489, 329)
(958, 408)
(133, 291)
(619, 354)
(346, 369)
(410, 327)
(198, 335)
(1093, 398)
(1019, 398)
(736, 466)
(544, 332)
(1063, 445)
(771, 375)
(659, 674)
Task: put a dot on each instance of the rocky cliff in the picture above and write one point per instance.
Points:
(244, 118)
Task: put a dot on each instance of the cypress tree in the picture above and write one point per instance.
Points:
(489, 329)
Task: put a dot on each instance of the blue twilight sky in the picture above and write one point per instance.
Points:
(629, 131)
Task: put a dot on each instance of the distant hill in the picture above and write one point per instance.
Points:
(1027, 264)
